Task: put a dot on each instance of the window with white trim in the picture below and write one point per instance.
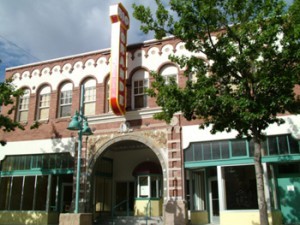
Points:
(65, 100)
(149, 186)
(44, 103)
(89, 104)
(140, 84)
(23, 106)
(169, 72)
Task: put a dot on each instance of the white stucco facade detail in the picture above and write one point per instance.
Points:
(38, 147)
(195, 134)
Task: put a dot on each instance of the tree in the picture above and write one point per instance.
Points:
(249, 74)
(8, 93)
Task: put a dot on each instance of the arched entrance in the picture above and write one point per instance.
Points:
(114, 186)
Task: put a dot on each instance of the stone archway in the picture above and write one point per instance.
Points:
(154, 140)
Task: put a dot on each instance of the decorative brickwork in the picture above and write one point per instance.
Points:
(163, 141)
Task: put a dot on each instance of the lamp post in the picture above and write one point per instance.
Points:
(79, 122)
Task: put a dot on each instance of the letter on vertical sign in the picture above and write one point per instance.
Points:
(120, 24)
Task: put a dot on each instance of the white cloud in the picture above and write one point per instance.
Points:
(56, 28)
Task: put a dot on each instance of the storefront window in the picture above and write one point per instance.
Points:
(45, 161)
(239, 148)
(242, 148)
(15, 203)
(31, 192)
(224, 149)
(28, 193)
(41, 190)
(4, 190)
(198, 185)
(22, 186)
(283, 144)
(240, 187)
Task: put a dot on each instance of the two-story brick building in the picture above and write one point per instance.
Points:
(37, 166)
(133, 165)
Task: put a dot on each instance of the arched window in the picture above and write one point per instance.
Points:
(169, 72)
(23, 106)
(43, 103)
(89, 106)
(65, 100)
(139, 84)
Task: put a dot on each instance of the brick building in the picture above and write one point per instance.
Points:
(41, 162)
(134, 166)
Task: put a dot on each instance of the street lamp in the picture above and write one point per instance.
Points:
(79, 122)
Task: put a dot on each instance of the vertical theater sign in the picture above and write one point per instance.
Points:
(120, 24)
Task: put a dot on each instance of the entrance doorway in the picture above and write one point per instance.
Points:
(66, 200)
(288, 192)
(124, 198)
(115, 185)
(214, 201)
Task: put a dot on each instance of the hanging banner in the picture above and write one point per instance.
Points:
(120, 24)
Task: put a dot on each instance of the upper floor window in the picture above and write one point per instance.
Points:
(44, 103)
(65, 100)
(139, 84)
(169, 72)
(23, 106)
(89, 106)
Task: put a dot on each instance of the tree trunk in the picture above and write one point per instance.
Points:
(262, 205)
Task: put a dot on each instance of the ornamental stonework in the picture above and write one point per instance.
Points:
(157, 138)
(160, 137)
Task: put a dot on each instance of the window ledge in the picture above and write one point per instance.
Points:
(62, 119)
(148, 198)
(45, 121)
(23, 123)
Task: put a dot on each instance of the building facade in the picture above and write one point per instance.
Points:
(134, 166)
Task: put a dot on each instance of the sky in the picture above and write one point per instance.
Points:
(38, 30)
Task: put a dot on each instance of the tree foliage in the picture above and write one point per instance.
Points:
(8, 94)
(252, 51)
(253, 64)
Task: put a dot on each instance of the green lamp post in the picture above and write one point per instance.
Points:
(79, 122)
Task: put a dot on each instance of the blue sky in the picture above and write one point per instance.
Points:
(38, 30)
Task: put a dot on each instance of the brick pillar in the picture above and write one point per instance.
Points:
(151, 101)
(75, 100)
(175, 163)
(128, 95)
(32, 109)
(53, 105)
(175, 207)
(100, 98)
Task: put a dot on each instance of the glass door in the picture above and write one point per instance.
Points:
(66, 199)
(124, 198)
(214, 201)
